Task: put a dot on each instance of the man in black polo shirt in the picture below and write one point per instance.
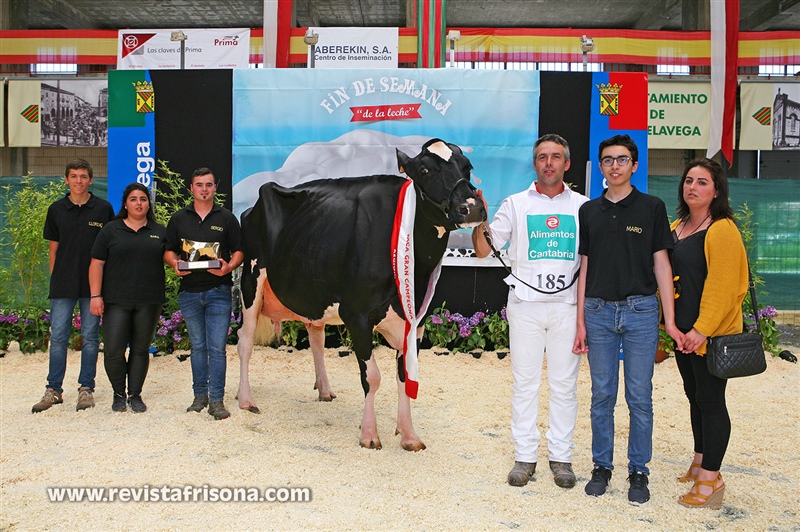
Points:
(71, 226)
(205, 295)
(624, 241)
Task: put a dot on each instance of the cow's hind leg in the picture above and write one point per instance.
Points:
(247, 335)
(408, 438)
(316, 339)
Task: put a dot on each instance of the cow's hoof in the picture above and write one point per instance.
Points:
(371, 444)
(414, 446)
(253, 409)
(327, 398)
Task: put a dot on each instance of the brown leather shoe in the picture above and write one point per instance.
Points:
(85, 399)
(521, 473)
(563, 475)
(50, 398)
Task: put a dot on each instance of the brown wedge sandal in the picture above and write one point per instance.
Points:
(694, 499)
(689, 476)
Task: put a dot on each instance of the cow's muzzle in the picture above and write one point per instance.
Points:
(471, 213)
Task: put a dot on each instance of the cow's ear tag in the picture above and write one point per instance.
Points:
(402, 170)
(441, 231)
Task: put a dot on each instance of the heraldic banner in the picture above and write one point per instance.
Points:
(770, 114)
(24, 120)
(131, 132)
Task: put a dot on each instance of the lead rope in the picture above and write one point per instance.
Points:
(497, 255)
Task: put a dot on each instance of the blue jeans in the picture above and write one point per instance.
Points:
(60, 328)
(208, 317)
(632, 323)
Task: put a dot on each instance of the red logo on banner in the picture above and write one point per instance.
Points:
(552, 222)
(373, 113)
(132, 41)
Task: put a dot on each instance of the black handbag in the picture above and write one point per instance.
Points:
(738, 355)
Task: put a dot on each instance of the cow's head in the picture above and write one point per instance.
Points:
(441, 173)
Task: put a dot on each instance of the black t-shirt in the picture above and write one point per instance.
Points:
(75, 229)
(220, 225)
(619, 240)
(689, 265)
(134, 262)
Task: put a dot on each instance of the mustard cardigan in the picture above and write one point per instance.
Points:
(726, 281)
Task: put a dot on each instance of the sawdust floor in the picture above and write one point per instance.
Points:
(459, 482)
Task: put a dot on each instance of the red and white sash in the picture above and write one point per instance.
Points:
(403, 265)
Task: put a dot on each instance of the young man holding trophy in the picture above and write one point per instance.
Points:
(204, 246)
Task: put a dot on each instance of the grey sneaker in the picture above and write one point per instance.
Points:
(521, 473)
(50, 398)
(217, 409)
(563, 475)
(597, 486)
(85, 399)
(638, 492)
(199, 403)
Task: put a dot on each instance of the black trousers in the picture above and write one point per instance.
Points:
(126, 325)
(711, 424)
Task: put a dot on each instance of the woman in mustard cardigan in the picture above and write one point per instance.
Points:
(711, 270)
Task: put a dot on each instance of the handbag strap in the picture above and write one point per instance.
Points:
(752, 287)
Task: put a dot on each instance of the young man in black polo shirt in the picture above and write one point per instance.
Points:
(205, 295)
(71, 226)
(624, 241)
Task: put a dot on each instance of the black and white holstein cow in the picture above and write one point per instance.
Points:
(322, 251)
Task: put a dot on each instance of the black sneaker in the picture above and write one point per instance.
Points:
(137, 405)
(638, 493)
(601, 476)
(119, 404)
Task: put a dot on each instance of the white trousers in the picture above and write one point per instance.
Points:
(536, 328)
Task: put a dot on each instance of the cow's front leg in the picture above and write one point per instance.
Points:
(405, 428)
(371, 380)
(316, 339)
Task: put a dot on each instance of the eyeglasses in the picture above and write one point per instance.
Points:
(622, 160)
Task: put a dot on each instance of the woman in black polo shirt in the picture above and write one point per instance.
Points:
(126, 277)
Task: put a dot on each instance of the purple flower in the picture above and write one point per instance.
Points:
(177, 316)
(464, 331)
(76, 321)
(436, 320)
(457, 318)
(177, 337)
(503, 314)
(161, 320)
(768, 312)
(44, 316)
(162, 331)
(476, 318)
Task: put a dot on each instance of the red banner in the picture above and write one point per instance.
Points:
(376, 113)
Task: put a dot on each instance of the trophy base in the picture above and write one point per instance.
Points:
(199, 265)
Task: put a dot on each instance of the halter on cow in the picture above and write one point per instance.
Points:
(322, 252)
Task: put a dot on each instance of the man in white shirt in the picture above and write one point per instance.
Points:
(540, 225)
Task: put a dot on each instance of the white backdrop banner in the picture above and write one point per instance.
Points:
(204, 48)
(356, 47)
